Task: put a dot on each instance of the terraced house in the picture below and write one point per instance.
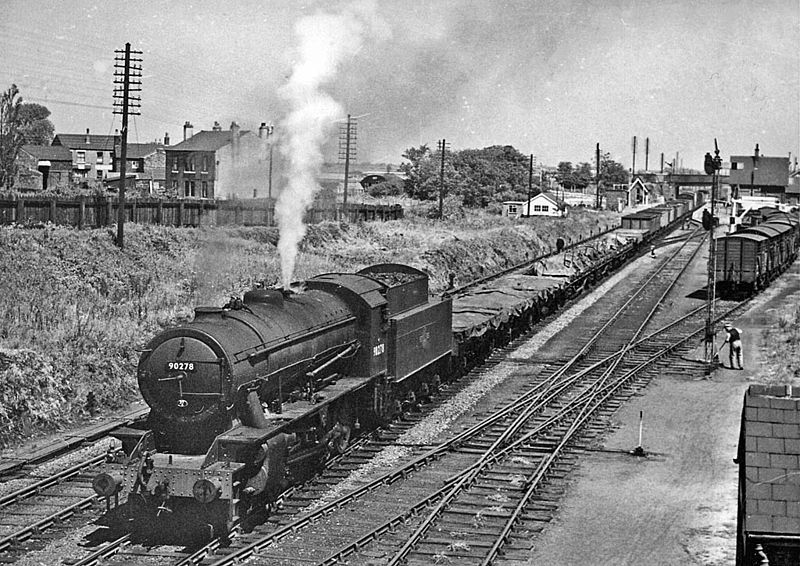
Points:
(92, 154)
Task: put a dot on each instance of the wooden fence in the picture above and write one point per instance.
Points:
(94, 212)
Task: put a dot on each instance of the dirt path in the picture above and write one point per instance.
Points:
(677, 506)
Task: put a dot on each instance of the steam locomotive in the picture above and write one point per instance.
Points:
(248, 398)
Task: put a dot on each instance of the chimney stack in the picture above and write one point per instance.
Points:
(756, 152)
(235, 138)
(188, 130)
(88, 139)
(217, 127)
(166, 138)
(263, 128)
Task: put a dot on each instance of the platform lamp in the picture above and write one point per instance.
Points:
(712, 165)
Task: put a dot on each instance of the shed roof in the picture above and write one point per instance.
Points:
(48, 152)
(769, 449)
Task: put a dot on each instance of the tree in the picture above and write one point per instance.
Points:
(612, 172)
(34, 126)
(583, 175)
(421, 179)
(11, 138)
(565, 175)
(392, 187)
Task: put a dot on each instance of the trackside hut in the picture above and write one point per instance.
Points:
(543, 204)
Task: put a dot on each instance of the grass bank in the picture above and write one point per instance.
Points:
(76, 308)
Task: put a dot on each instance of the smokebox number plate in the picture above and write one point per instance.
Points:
(182, 366)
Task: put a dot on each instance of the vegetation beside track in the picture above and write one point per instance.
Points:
(76, 308)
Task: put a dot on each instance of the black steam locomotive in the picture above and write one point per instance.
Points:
(249, 398)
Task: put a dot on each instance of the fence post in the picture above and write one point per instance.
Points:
(109, 212)
(179, 221)
(237, 214)
(133, 209)
(20, 211)
(81, 212)
(53, 205)
(160, 211)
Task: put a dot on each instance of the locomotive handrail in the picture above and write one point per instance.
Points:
(266, 348)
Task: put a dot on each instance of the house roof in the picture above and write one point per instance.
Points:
(48, 152)
(140, 150)
(769, 450)
(206, 140)
(78, 141)
(550, 196)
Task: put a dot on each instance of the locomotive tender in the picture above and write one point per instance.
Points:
(248, 398)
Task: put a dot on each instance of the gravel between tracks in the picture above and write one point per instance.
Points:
(60, 463)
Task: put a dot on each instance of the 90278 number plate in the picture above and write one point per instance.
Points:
(182, 366)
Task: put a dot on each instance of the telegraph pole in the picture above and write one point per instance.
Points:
(347, 138)
(712, 165)
(128, 74)
(443, 149)
(530, 184)
(598, 201)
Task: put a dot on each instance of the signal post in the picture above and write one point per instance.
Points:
(712, 166)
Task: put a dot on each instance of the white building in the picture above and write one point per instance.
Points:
(543, 204)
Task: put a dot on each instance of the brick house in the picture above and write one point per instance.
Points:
(42, 167)
(148, 161)
(219, 163)
(92, 154)
(769, 477)
(759, 176)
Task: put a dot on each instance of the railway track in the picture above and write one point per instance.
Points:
(497, 475)
(50, 486)
(50, 502)
(561, 389)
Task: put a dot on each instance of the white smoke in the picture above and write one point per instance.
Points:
(326, 41)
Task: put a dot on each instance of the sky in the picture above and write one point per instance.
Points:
(551, 78)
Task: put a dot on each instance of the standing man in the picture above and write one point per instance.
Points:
(734, 341)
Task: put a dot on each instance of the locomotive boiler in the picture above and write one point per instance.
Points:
(248, 398)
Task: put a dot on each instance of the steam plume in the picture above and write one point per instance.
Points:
(326, 40)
